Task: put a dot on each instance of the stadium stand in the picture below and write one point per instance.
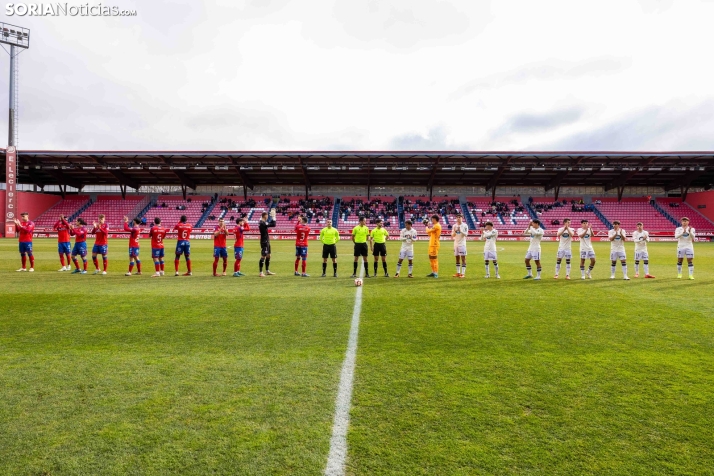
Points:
(506, 213)
(418, 209)
(351, 208)
(632, 210)
(170, 208)
(232, 208)
(67, 207)
(115, 208)
(678, 209)
(551, 213)
(316, 209)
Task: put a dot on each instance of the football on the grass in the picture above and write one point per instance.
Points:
(358, 282)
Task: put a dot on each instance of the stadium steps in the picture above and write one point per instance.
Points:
(140, 208)
(145, 210)
(336, 211)
(81, 209)
(664, 213)
(500, 218)
(531, 212)
(400, 212)
(207, 213)
(602, 218)
(468, 214)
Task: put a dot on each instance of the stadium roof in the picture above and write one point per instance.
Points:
(551, 170)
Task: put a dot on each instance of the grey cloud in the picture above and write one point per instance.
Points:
(435, 139)
(546, 70)
(399, 25)
(667, 127)
(240, 121)
(526, 123)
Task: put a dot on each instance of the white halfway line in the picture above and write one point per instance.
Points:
(338, 443)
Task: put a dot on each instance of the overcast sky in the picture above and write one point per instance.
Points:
(371, 75)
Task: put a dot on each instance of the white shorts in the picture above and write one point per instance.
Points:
(567, 254)
(460, 250)
(685, 252)
(533, 255)
(490, 255)
(617, 255)
(587, 254)
(406, 254)
(641, 256)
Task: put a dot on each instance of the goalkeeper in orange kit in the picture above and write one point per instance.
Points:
(433, 229)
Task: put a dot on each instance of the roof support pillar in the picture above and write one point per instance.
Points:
(122, 187)
(557, 192)
(620, 191)
(183, 191)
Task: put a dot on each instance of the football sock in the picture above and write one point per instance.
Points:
(399, 268)
(225, 264)
(267, 264)
(32, 261)
(488, 271)
(375, 267)
(104, 262)
(62, 260)
(161, 263)
(463, 270)
(646, 266)
(84, 264)
(354, 270)
(567, 269)
(324, 268)
(384, 266)
(679, 268)
(157, 266)
(624, 269)
(691, 268)
(495, 267)
(410, 268)
(188, 264)
(304, 266)
(582, 270)
(366, 268)
(557, 268)
(297, 261)
(458, 268)
(637, 267)
(215, 265)
(131, 266)
(24, 261)
(138, 265)
(176, 265)
(612, 269)
(96, 263)
(334, 268)
(262, 261)
(76, 262)
(529, 270)
(538, 270)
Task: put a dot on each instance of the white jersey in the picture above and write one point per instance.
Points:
(408, 237)
(585, 243)
(640, 238)
(618, 244)
(685, 239)
(462, 232)
(490, 240)
(566, 239)
(536, 235)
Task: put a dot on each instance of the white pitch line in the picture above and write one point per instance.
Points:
(338, 443)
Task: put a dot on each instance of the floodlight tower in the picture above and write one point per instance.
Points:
(18, 38)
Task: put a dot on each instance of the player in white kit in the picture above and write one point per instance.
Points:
(565, 249)
(536, 233)
(489, 235)
(617, 237)
(459, 232)
(641, 237)
(407, 236)
(585, 233)
(685, 236)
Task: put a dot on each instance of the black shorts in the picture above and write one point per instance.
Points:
(329, 251)
(379, 249)
(264, 248)
(361, 249)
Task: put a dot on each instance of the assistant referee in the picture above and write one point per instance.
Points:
(359, 238)
(329, 237)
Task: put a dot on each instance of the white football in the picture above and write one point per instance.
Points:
(358, 282)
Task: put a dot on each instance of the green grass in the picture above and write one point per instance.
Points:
(202, 375)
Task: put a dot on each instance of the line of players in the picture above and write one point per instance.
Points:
(364, 240)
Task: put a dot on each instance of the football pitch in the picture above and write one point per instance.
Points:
(118, 375)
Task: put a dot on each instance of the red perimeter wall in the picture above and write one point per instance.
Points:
(702, 198)
(33, 203)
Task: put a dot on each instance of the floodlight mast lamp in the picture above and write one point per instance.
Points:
(18, 39)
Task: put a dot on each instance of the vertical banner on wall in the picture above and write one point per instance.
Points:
(10, 190)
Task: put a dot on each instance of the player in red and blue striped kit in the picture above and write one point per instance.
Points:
(219, 246)
(157, 233)
(183, 245)
(101, 244)
(80, 245)
(64, 246)
(134, 233)
(26, 229)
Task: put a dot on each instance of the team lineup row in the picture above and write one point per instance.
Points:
(364, 239)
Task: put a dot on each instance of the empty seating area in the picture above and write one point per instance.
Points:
(114, 208)
(351, 208)
(66, 207)
(233, 208)
(551, 213)
(506, 213)
(632, 210)
(678, 209)
(170, 208)
(418, 209)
